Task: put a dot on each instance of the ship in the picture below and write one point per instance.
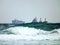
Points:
(44, 25)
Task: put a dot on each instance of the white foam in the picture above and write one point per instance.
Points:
(27, 33)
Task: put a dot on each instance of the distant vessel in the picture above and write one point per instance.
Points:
(17, 21)
(40, 21)
(44, 25)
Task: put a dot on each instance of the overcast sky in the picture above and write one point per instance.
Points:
(26, 10)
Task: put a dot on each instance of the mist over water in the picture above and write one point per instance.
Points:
(26, 33)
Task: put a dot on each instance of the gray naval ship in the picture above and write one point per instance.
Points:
(34, 24)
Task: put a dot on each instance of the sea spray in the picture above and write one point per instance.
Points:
(26, 33)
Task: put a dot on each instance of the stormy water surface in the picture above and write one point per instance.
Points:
(29, 36)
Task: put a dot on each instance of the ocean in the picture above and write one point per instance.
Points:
(29, 36)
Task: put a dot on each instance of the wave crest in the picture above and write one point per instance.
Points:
(30, 34)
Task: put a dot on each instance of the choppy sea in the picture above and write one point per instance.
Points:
(29, 36)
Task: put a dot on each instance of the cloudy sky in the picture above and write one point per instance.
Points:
(26, 10)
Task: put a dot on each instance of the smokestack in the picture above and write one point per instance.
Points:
(45, 19)
(40, 20)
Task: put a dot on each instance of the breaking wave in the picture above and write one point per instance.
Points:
(26, 33)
